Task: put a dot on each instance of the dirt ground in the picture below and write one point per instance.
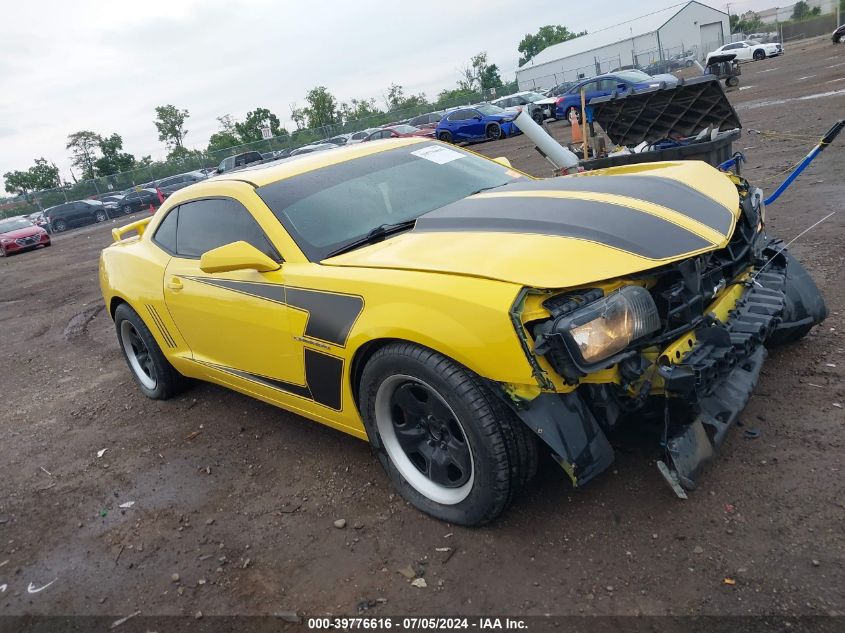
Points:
(239, 498)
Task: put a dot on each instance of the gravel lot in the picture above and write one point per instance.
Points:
(235, 501)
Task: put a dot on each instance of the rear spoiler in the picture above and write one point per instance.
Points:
(138, 227)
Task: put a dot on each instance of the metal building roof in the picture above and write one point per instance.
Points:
(609, 35)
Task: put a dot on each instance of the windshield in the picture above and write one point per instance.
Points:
(326, 209)
(14, 224)
(405, 129)
(486, 108)
(633, 76)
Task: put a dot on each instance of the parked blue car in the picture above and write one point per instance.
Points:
(602, 85)
(482, 122)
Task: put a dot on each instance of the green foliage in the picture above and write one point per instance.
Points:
(42, 175)
(222, 140)
(395, 98)
(83, 146)
(357, 109)
(801, 11)
(321, 109)
(547, 36)
(113, 160)
(170, 123)
(250, 129)
(750, 22)
(479, 76)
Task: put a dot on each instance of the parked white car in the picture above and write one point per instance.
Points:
(748, 50)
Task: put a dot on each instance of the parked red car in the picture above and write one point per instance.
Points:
(19, 234)
(398, 131)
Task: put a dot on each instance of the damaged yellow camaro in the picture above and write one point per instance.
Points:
(458, 314)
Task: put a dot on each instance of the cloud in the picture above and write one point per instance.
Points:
(104, 65)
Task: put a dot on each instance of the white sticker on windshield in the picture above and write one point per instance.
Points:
(437, 154)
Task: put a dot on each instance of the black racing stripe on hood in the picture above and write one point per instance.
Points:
(620, 227)
(666, 192)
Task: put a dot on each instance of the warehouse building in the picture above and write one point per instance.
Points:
(691, 29)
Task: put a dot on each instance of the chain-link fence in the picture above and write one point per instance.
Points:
(147, 175)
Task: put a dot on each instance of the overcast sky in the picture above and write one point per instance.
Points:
(104, 65)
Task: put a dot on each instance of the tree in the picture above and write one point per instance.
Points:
(83, 146)
(395, 99)
(734, 20)
(298, 116)
(42, 175)
(357, 109)
(170, 123)
(113, 160)
(322, 107)
(479, 75)
(448, 98)
(250, 129)
(801, 11)
(547, 36)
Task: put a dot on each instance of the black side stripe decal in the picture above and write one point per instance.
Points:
(663, 191)
(614, 225)
(330, 315)
(323, 375)
(162, 328)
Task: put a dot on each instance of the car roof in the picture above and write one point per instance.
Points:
(264, 174)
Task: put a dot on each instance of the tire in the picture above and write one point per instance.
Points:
(759, 54)
(446, 137)
(100, 216)
(154, 375)
(489, 455)
(538, 117)
(688, 63)
(127, 210)
(59, 226)
(732, 81)
(493, 132)
(840, 39)
(575, 110)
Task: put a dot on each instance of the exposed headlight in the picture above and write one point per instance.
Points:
(606, 327)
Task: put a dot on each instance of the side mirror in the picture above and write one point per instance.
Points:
(236, 256)
(504, 162)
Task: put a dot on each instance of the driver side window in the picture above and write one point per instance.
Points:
(196, 227)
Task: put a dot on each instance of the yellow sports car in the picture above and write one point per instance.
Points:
(460, 314)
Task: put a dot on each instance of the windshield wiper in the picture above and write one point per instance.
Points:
(376, 234)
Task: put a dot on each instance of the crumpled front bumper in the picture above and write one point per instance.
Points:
(715, 378)
(723, 368)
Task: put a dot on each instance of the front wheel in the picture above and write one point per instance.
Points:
(493, 132)
(451, 448)
(446, 137)
(100, 216)
(154, 375)
(539, 117)
(759, 54)
(732, 81)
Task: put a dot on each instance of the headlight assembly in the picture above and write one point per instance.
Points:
(603, 328)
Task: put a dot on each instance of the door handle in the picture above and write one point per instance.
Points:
(175, 283)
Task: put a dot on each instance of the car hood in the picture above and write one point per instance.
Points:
(568, 231)
(24, 232)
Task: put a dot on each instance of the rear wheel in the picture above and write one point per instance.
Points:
(450, 447)
(446, 137)
(575, 110)
(759, 54)
(732, 81)
(59, 226)
(154, 375)
(493, 132)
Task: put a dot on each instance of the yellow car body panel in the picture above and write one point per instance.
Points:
(257, 333)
